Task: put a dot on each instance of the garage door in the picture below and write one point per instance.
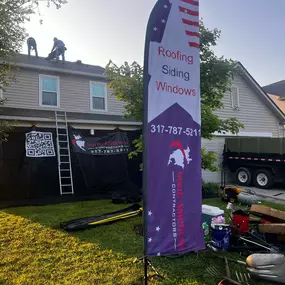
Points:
(216, 145)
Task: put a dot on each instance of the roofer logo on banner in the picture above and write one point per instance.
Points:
(79, 142)
(180, 156)
(110, 144)
(39, 144)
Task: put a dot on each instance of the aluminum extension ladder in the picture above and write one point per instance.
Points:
(63, 154)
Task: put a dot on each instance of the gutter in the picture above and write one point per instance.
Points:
(61, 70)
(33, 119)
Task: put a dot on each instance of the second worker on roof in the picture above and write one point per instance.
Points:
(59, 49)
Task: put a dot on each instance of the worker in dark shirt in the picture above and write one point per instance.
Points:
(59, 49)
(32, 45)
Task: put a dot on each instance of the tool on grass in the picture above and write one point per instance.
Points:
(273, 248)
(228, 273)
(93, 221)
(243, 277)
(211, 270)
(232, 260)
(267, 266)
(270, 249)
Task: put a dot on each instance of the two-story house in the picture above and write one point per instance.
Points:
(251, 105)
(81, 90)
(43, 89)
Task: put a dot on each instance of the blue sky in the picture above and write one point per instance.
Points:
(95, 31)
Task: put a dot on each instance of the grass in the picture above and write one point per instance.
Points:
(33, 250)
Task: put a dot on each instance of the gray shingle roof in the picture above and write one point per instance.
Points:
(277, 88)
(68, 66)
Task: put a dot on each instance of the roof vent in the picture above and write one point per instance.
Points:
(78, 61)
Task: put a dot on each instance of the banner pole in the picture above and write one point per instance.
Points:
(145, 156)
(145, 271)
(145, 181)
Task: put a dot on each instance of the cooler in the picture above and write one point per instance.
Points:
(209, 212)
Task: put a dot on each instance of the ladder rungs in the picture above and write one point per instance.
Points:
(63, 151)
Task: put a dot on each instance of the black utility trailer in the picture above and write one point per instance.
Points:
(255, 160)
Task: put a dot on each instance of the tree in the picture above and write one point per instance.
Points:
(216, 75)
(13, 15)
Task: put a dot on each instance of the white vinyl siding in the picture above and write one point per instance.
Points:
(253, 113)
(74, 93)
(49, 91)
(235, 98)
(98, 96)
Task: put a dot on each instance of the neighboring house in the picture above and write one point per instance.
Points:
(276, 91)
(279, 101)
(248, 102)
(277, 88)
(43, 87)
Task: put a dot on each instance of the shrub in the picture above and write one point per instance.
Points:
(209, 189)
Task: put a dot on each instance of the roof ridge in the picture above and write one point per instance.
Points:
(19, 55)
(280, 81)
(33, 62)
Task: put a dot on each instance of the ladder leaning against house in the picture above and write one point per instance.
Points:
(63, 154)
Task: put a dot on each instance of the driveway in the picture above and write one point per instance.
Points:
(271, 195)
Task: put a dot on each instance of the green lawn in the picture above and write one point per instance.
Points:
(34, 251)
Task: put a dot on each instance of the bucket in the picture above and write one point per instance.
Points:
(240, 221)
(221, 236)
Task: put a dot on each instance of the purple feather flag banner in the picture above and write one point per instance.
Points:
(172, 130)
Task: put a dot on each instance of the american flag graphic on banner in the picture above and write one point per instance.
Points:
(189, 10)
(172, 134)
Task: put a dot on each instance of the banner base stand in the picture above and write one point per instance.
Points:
(147, 264)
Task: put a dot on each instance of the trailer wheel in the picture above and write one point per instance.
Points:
(263, 178)
(243, 176)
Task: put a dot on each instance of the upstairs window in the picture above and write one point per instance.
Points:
(49, 91)
(235, 98)
(98, 96)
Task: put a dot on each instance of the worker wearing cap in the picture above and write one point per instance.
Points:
(59, 48)
(32, 45)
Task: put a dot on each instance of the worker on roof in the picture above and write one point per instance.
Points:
(32, 45)
(59, 49)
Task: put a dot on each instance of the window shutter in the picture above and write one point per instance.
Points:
(235, 98)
